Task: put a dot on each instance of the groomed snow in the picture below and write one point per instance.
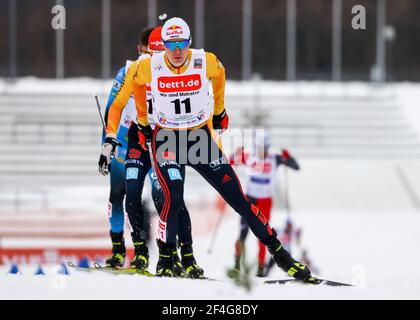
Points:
(376, 251)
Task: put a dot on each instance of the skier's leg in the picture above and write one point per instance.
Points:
(116, 197)
(135, 175)
(189, 264)
(239, 248)
(184, 221)
(265, 207)
(168, 172)
(240, 243)
(157, 194)
(137, 165)
(222, 177)
(220, 174)
(116, 214)
(244, 230)
(170, 179)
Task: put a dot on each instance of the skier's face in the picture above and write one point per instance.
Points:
(262, 152)
(152, 52)
(142, 49)
(177, 51)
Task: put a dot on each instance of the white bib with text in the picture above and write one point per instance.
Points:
(180, 100)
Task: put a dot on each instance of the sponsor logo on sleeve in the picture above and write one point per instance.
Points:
(132, 173)
(174, 174)
(134, 153)
(169, 163)
(216, 163)
(134, 161)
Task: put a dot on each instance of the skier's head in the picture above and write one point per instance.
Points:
(263, 144)
(289, 225)
(144, 40)
(176, 36)
(155, 41)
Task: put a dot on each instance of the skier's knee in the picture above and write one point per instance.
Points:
(177, 200)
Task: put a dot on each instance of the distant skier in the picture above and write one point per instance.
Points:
(260, 188)
(286, 235)
(306, 260)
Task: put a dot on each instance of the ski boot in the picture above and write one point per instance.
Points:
(117, 258)
(260, 271)
(178, 267)
(235, 272)
(165, 265)
(141, 256)
(285, 261)
(192, 270)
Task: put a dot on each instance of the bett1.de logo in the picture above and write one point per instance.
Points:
(191, 82)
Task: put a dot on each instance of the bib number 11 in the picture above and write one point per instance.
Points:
(177, 104)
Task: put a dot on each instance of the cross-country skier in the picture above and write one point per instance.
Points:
(117, 174)
(184, 114)
(261, 170)
(137, 166)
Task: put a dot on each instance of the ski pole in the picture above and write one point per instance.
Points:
(103, 121)
(99, 110)
(216, 228)
(285, 155)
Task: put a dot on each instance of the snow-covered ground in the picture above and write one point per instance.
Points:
(358, 223)
(378, 252)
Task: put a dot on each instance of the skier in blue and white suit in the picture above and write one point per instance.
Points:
(117, 168)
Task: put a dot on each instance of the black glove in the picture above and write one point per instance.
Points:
(221, 121)
(288, 160)
(108, 150)
(145, 135)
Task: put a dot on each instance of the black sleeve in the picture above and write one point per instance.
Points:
(291, 162)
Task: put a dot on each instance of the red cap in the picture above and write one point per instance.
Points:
(155, 40)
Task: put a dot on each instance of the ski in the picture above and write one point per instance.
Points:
(98, 267)
(129, 271)
(205, 278)
(313, 281)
